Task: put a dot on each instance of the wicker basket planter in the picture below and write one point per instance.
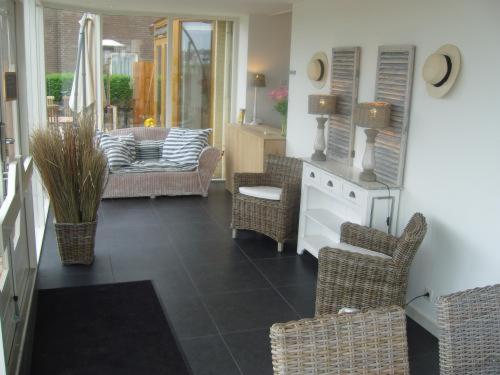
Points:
(76, 242)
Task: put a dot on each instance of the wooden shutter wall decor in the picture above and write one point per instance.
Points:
(394, 85)
(344, 84)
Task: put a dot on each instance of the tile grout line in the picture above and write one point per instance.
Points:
(273, 287)
(198, 294)
(212, 319)
(112, 270)
(263, 275)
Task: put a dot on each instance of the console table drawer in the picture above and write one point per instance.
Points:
(331, 184)
(325, 181)
(312, 175)
(354, 194)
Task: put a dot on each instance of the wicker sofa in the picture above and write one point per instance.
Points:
(152, 184)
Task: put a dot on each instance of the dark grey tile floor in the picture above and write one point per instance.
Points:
(221, 296)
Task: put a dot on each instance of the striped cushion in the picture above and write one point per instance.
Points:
(120, 151)
(159, 165)
(118, 156)
(183, 146)
(148, 149)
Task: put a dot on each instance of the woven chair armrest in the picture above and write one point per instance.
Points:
(208, 160)
(360, 272)
(290, 192)
(247, 179)
(312, 345)
(368, 238)
(209, 157)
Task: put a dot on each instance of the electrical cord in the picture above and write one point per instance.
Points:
(426, 294)
(388, 219)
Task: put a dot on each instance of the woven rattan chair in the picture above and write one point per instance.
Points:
(348, 279)
(469, 323)
(372, 342)
(276, 219)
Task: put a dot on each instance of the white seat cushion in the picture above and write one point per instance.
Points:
(264, 192)
(354, 249)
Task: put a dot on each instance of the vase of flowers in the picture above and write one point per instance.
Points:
(280, 97)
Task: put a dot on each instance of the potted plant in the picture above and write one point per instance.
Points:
(73, 171)
(280, 96)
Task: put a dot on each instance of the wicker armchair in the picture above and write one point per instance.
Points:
(469, 341)
(372, 342)
(276, 219)
(348, 279)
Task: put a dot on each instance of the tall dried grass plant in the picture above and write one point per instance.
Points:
(73, 169)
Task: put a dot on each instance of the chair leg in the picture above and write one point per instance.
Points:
(280, 247)
(235, 233)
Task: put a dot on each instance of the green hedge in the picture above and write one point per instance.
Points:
(121, 91)
(59, 84)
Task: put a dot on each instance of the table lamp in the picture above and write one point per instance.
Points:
(258, 80)
(323, 105)
(372, 116)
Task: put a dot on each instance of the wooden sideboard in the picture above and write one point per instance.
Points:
(246, 148)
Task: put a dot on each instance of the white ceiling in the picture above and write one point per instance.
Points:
(208, 7)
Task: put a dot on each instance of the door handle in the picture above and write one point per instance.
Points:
(9, 141)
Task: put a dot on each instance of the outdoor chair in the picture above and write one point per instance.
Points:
(469, 323)
(373, 273)
(371, 342)
(269, 202)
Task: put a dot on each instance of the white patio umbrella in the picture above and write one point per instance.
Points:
(83, 92)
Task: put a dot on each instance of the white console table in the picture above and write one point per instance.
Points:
(332, 193)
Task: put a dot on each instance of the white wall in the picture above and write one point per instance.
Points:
(453, 160)
(268, 53)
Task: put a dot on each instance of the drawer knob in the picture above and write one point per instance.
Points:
(312, 175)
(352, 194)
(330, 183)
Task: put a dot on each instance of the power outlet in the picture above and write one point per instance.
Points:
(431, 296)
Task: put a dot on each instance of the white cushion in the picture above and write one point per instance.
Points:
(264, 192)
(354, 249)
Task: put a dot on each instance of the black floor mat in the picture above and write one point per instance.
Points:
(104, 329)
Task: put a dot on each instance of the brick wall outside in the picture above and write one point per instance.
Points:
(61, 37)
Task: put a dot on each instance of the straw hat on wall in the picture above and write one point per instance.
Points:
(441, 70)
(317, 69)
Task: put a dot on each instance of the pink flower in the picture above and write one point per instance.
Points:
(279, 94)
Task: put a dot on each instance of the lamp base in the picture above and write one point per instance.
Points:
(368, 163)
(319, 142)
(368, 175)
(318, 156)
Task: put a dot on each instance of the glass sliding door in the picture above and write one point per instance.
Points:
(201, 76)
(160, 69)
(134, 56)
(192, 101)
(15, 267)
